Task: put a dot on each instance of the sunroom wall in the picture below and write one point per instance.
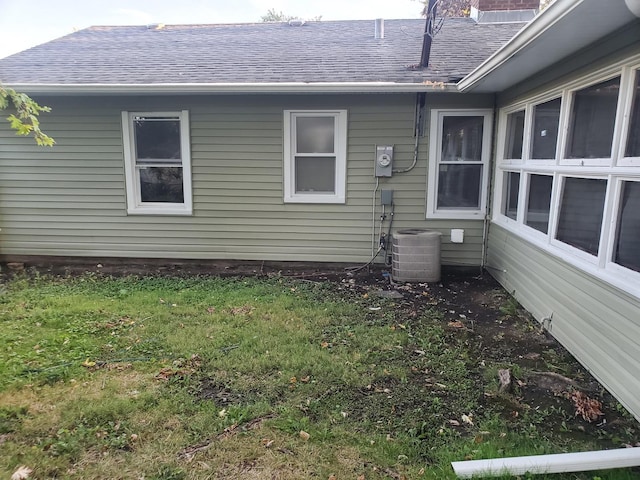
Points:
(588, 302)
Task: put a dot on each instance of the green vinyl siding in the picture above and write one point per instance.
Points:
(596, 322)
(70, 200)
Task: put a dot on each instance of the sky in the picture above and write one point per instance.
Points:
(26, 23)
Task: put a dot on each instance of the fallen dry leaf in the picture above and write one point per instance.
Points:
(456, 324)
(21, 473)
(588, 408)
(467, 419)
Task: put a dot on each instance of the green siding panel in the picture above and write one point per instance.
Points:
(598, 323)
(70, 199)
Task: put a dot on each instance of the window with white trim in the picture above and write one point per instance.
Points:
(626, 247)
(592, 121)
(581, 212)
(515, 135)
(539, 190)
(573, 188)
(157, 162)
(544, 134)
(633, 137)
(458, 163)
(315, 156)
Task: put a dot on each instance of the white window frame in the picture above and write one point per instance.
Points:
(340, 153)
(567, 109)
(135, 206)
(502, 142)
(615, 170)
(435, 150)
(611, 217)
(629, 88)
(559, 183)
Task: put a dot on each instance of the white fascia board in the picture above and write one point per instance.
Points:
(532, 31)
(233, 88)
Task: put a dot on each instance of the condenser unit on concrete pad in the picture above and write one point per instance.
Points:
(416, 255)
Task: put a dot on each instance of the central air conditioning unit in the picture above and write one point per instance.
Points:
(416, 255)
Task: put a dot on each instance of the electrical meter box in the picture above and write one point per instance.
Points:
(384, 160)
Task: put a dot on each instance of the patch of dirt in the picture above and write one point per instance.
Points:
(545, 375)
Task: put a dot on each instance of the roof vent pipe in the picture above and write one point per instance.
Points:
(428, 33)
(379, 31)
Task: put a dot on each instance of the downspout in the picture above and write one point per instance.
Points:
(490, 185)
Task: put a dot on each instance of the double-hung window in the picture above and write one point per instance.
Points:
(459, 163)
(315, 156)
(157, 162)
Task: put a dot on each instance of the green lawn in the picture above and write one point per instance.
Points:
(172, 378)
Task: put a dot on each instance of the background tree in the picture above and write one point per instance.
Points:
(24, 120)
(273, 16)
(449, 8)
(461, 8)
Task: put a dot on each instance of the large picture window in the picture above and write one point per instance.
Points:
(157, 163)
(574, 187)
(315, 156)
(458, 164)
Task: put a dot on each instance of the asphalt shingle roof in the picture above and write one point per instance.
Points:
(326, 51)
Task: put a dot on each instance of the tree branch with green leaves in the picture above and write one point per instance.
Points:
(24, 120)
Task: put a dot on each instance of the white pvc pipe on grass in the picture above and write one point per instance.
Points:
(557, 463)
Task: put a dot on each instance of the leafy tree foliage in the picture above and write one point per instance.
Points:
(24, 120)
(449, 8)
(461, 8)
(273, 16)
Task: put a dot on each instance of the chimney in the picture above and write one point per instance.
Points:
(379, 30)
(503, 11)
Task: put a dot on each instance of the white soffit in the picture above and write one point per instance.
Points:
(565, 27)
